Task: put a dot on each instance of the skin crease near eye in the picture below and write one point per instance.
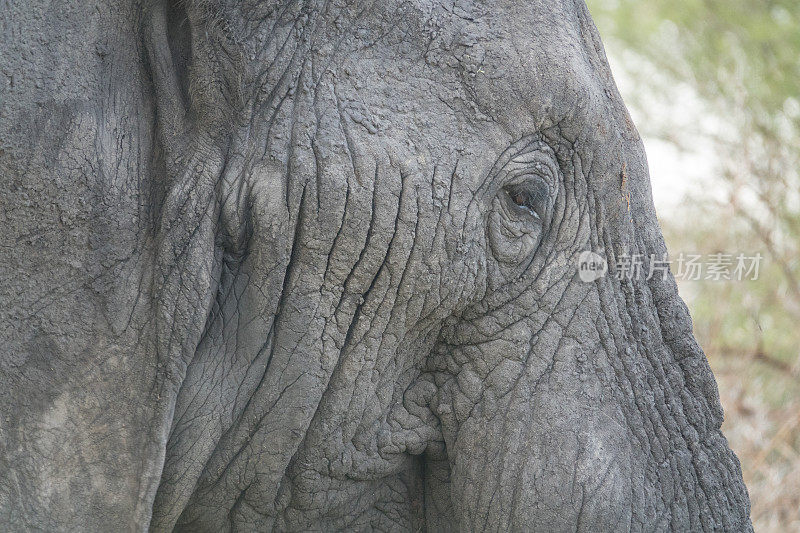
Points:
(522, 207)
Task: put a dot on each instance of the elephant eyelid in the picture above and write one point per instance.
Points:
(522, 205)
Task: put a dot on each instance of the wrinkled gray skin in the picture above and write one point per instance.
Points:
(263, 268)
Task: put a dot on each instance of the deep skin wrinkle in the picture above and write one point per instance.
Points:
(322, 274)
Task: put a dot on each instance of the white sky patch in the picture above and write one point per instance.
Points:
(689, 167)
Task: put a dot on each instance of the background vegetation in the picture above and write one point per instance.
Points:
(720, 80)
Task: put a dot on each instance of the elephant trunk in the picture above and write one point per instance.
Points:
(605, 416)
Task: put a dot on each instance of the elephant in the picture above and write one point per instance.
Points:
(310, 265)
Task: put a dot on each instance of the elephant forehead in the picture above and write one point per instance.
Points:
(537, 66)
(468, 80)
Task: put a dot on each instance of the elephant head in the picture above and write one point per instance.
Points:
(304, 265)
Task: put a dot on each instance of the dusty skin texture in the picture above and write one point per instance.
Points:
(305, 265)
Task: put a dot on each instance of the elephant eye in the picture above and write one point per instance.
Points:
(523, 204)
(529, 197)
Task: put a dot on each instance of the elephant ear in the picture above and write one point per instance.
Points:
(113, 306)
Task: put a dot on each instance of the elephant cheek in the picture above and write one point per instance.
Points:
(523, 468)
(588, 485)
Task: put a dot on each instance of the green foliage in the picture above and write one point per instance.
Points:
(745, 51)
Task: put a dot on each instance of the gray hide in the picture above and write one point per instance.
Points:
(306, 265)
